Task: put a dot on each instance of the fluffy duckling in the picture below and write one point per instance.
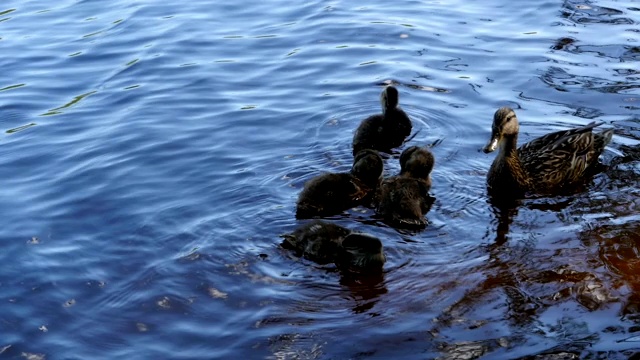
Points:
(331, 193)
(383, 131)
(367, 167)
(325, 243)
(417, 162)
(544, 165)
(404, 200)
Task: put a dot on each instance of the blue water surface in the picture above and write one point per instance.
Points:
(151, 155)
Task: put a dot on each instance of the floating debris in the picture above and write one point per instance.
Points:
(164, 303)
(216, 294)
(32, 356)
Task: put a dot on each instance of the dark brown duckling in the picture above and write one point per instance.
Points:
(326, 243)
(543, 166)
(404, 200)
(367, 167)
(417, 162)
(331, 193)
(385, 131)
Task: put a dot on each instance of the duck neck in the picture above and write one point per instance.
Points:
(511, 162)
(509, 146)
(389, 113)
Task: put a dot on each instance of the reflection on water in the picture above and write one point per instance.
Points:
(365, 290)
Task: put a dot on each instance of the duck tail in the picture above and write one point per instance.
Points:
(602, 139)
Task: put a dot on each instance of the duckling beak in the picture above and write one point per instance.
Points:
(492, 145)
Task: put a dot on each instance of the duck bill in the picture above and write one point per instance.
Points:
(492, 145)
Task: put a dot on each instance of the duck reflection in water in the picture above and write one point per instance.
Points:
(503, 217)
(528, 284)
(359, 257)
(365, 289)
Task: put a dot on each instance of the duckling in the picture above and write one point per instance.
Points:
(383, 131)
(331, 193)
(368, 167)
(361, 253)
(325, 243)
(417, 162)
(404, 200)
(544, 165)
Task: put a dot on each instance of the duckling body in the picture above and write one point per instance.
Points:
(385, 131)
(331, 193)
(404, 200)
(544, 165)
(325, 243)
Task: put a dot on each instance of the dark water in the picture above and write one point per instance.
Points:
(152, 153)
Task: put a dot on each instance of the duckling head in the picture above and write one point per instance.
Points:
(416, 162)
(505, 124)
(389, 98)
(367, 166)
(362, 252)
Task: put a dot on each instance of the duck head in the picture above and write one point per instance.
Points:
(416, 162)
(367, 166)
(389, 98)
(505, 124)
(362, 252)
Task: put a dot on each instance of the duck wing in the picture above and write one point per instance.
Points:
(403, 201)
(367, 135)
(330, 194)
(317, 241)
(561, 157)
(560, 138)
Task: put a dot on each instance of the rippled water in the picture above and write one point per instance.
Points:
(152, 154)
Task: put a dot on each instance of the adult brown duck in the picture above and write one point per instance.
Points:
(543, 166)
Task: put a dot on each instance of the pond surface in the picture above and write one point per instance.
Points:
(151, 155)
